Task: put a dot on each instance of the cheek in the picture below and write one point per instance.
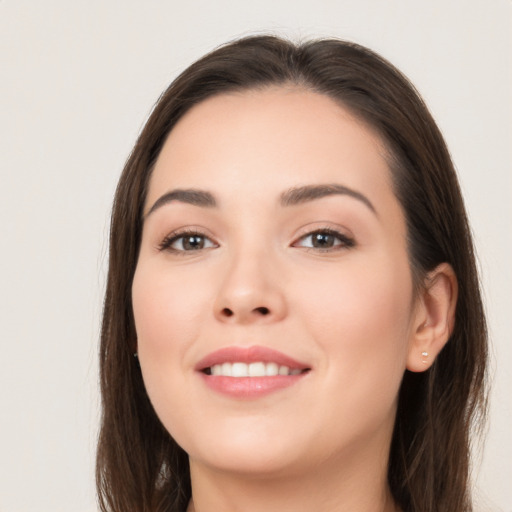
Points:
(360, 316)
(167, 323)
(360, 320)
(166, 310)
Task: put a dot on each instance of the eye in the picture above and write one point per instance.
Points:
(325, 239)
(186, 241)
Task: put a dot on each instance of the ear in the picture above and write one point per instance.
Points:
(434, 318)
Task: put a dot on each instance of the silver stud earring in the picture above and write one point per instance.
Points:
(424, 355)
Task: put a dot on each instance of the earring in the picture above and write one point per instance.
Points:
(424, 355)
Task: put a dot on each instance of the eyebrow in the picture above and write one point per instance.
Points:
(190, 196)
(291, 197)
(300, 195)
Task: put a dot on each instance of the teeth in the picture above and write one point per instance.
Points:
(272, 369)
(226, 369)
(239, 370)
(258, 369)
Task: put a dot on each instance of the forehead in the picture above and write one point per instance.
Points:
(269, 139)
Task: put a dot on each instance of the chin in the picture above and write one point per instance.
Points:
(246, 449)
(253, 464)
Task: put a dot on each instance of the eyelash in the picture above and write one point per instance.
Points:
(346, 242)
(169, 240)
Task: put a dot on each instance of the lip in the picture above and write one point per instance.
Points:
(249, 387)
(248, 355)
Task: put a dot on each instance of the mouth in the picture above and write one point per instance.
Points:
(256, 369)
(250, 372)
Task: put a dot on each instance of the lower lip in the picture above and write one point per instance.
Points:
(250, 387)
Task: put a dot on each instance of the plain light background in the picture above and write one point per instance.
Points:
(77, 81)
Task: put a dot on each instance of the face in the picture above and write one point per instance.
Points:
(273, 297)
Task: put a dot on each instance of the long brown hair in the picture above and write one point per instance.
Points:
(140, 468)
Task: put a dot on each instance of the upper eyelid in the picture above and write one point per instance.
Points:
(346, 239)
(303, 233)
(341, 231)
(345, 236)
(189, 230)
(171, 237)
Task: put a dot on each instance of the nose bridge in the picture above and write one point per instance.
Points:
(251, 290)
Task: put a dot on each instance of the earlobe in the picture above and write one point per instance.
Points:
(434, 318)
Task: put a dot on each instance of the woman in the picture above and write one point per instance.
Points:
(292, 318)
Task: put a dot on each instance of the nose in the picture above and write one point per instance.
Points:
(251, 291)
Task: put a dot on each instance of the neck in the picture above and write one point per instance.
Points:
(357, 486)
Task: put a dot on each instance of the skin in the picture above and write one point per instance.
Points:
(348, 311)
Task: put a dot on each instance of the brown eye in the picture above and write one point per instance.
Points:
(325, 240)
(192, 242)
(186, 242)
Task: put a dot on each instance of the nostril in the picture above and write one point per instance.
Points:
(260, 311)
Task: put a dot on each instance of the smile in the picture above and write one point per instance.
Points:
(250, 372)
(257, 369)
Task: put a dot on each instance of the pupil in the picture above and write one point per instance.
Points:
(323, 240)
(193, 242)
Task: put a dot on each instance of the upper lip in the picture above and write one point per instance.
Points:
(252, 354)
